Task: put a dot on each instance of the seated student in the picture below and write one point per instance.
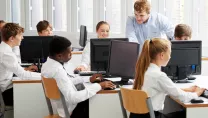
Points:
(157, 84)
(15, 49)
(44, 28)
(182, 32)
(60, 54)
(102, 30)
(11, 37)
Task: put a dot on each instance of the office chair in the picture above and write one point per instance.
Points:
(135, 101)
(52, 92)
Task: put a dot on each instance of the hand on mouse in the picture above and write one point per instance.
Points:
(96, 77)
(199, 90)
(107, 84)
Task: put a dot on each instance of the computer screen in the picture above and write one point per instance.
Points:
(185, 60)
(83, 35)
(33, 48)
(122, 59)
(99, 52)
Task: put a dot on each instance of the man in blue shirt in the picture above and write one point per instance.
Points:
(145, 25)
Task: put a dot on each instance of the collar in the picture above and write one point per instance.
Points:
(6, 47)
(154, 66)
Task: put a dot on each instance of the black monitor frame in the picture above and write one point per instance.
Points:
(83, 36)
(122, 60)
(101, 47)
(181, 70)
(35, 49)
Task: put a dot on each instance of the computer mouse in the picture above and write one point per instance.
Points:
(76, 71)
(197, 100)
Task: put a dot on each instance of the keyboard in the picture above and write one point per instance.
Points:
(205, 94)
(89, 73)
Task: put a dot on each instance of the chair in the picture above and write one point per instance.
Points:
(135, 101)
(4, 108)
(52, 92)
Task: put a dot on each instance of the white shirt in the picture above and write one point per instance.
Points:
(157, 84)
(86, 56)
(9, 65)
(16, 50)
(66, 84)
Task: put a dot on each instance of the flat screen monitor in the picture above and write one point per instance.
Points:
(83, 36)
(185, 60)
(99, 52)
(122, 59)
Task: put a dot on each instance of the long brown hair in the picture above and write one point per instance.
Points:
(150, 50)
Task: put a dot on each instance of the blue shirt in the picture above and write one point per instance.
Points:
(157, 26)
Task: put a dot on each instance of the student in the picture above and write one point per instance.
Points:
(182, 32)
(148, 76)
(11, 37)
(44, 28)
(60, 54)
(102, 30)
(145, 25)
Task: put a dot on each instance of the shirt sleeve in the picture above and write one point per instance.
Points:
(170, 88)
(10, 62)
(166, 26)
(130, 30)
(69, 91)
(86, 56)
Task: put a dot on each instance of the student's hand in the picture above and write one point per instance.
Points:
(96, 77)
(81, 68)
(32, 68)
(191, 89)
(199, 90)
(107, 84)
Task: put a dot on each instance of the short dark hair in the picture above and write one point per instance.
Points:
(2, 21)
(11, 29)
(101, 23)
(58, 45)
(182, 30)
(42, 25)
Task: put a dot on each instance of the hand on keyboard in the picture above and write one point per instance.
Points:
(96, 78)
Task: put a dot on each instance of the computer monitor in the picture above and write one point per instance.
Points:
(83, 36)
(35, 49)
(122, 60)
(99, 52)
(185, 60)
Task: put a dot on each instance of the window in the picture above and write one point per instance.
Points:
(59, 15)
(36, 13)
(113, 15)
(15, 11)
(85, 14)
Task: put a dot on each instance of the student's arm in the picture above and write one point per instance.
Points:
(10, 62)
(67, 87)
(166, 26)
(86, 56)
(170, 88)
(130, 30)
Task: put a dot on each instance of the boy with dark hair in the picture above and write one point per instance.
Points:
(44, 28)
(182, 32)
(60, 54)
(11, 37)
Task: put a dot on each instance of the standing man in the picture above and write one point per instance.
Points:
(145, 25)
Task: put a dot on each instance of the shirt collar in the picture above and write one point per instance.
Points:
(154, 66)
(6, 47)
